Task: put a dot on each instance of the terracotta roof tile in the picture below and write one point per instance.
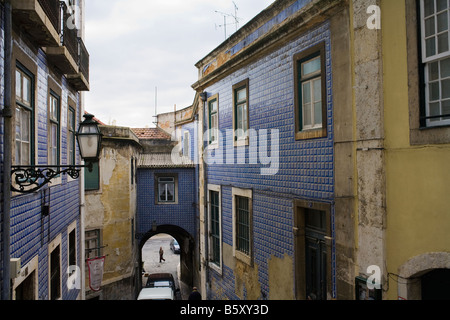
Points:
(151, 134)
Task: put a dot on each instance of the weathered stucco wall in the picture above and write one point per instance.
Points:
(345, 154)
(112, 209)
(370, 154)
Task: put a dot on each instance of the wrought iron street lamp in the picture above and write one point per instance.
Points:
(28, 179)
(89, 139)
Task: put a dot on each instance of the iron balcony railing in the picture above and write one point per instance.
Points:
(69, 36)
(52, 9)
(83, 62)
(73, 43)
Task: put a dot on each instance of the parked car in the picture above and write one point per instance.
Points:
(174, 246)
(159, 286)
(163, 293)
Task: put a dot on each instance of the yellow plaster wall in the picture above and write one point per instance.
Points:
(417, 177)
(112, 209)
(281, 275)
(117, 213)
(395, 81)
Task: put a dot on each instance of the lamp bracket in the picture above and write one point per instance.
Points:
(28, 179)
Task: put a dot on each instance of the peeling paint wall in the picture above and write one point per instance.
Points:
(246, 285)
(281, 275)
(112, 209)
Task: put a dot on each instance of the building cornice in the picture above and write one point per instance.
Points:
(225, 60)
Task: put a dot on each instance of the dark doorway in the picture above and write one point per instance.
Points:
(26, 290)
(313, 249)
(315, 254)
(436, 285)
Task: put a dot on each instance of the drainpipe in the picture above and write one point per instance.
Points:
(82, 225)
(204, 98)
(81, 3)
(7, 153)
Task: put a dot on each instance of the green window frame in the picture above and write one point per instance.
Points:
(241, 111)
(214, 211)
(54, 129)
(213, 119)
(24, 116)
(243, 228)
(310, 93)
(92, 178)
(71, 120)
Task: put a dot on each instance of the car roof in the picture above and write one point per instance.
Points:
(160, 293)
(160, 276)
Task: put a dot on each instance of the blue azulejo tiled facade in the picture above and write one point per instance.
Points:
(45, 226)
(300, 175)
(167, 204)
(177, 209)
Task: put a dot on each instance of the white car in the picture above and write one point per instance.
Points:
(157, 293)
(159, 286)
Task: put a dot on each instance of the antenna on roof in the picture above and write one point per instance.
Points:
(155, 120)
(225, 15)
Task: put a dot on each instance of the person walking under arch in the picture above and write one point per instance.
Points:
(161, 254)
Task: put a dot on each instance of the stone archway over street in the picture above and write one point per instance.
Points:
(186, 242)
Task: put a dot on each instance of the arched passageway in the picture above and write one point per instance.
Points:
(186, 242)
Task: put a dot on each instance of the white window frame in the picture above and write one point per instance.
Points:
(213, 265)
(247, 193)
(241, 135)
(427, 61)
(71, 135)
(72, 227)
(158, 176)
(213, 130)
(28, 270)
(54, 121)
(312, 77)
(186, 144)
(73, 274)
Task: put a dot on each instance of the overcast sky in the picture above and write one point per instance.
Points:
(138, 45)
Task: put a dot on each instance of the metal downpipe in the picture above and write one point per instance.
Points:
(7, 154)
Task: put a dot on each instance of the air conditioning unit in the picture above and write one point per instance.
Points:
(15, 267)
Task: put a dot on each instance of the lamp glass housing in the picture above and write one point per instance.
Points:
(89, 139)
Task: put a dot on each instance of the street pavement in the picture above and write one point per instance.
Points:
(150, 257)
